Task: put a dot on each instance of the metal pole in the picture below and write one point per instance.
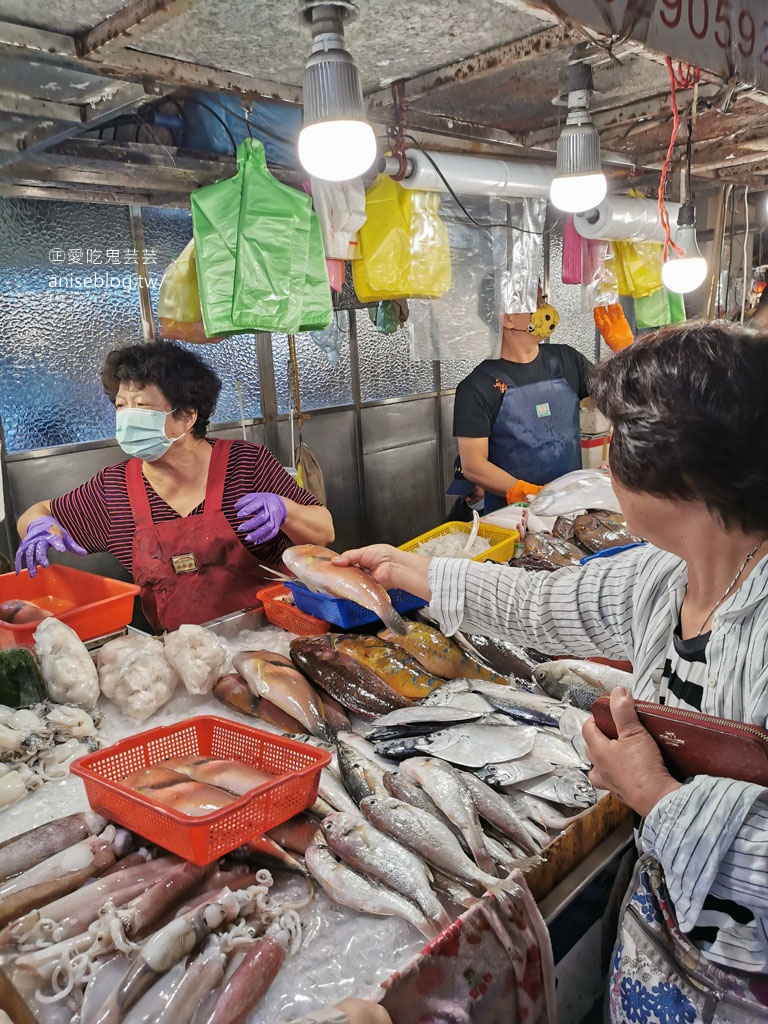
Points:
(439, 434)
(354, 359)
(145, 299)
(268, 390)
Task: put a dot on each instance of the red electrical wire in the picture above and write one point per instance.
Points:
(684, 78)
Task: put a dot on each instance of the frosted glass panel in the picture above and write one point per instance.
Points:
(323, 385)
(166, 232)
(453, 372)
(67, 297)
(385, 367)
(575, 328)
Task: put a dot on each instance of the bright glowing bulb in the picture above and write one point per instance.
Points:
(683, 274)
(575, 193)
(337, 150)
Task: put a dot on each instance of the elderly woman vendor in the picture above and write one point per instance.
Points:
(689, 459)
(193, 519)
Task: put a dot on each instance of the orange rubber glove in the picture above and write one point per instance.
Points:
(521, 490)
(613, 326)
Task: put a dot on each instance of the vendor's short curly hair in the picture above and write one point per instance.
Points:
(187, 382)
(689, 409)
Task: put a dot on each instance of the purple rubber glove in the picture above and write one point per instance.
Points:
(268, 514)
(34, 548)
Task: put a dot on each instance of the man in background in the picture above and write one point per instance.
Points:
(516, 418)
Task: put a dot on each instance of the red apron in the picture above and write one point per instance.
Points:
(194, 568)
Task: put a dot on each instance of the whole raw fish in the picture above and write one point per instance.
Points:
(373, 853)
(553, 549)
(496, 809)
(508, 773)
(233, 691)
(297, 833)
(361, 776)
(21, 612)
(155, 776)
(266, 852)
(285, 687)
(235, 776)
(561, 682)
(351, 684)
(440, 655)
(525, 707)
(391, 664)
(597, 531)
(555, 748)
(419, 831)
(354, 890)
(313, 566)
(567, 786)
(336, 717)
(422, 714)
(447, 788)
(602, 676)
(502, 656)
(471, 745)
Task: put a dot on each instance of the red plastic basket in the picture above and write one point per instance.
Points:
(281, 611)
(296, 767)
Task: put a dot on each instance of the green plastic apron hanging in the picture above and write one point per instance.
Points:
(261, 264)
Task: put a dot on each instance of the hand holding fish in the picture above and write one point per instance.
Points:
(391, 567)
(630, 766)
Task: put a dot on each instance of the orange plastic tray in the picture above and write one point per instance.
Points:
(296, 767)
(281, 611)
(92, 605)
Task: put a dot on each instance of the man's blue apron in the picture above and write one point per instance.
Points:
(536, 435)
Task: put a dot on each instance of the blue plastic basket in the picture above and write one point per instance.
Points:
(346, 613)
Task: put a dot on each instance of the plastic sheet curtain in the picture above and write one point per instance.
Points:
(494, 269)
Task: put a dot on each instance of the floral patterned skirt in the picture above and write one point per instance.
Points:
(659, 977)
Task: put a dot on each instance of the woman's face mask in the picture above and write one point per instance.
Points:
(141, 433)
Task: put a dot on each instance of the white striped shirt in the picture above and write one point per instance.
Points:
(711, 835)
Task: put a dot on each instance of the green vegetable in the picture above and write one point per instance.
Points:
(20, 681)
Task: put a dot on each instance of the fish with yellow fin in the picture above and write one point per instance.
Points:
(440, 655)
(284, 686)
(391, 663)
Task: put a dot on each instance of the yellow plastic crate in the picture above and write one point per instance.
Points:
(502, 541)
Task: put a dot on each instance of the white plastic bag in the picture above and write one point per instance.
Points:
(134, 673)
(581, 489)
(340, 207)
(198, 656)
(66, 665)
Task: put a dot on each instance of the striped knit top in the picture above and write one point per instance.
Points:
(710, 835)
(98, 513)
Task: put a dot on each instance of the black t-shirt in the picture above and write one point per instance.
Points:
(479, 396)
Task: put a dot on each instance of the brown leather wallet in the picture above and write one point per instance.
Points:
(696, 744)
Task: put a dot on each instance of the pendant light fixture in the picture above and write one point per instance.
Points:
(685, 269)
(579, 183)
(686, 273)
(336, 142)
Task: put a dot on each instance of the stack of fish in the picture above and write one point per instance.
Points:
(572, 538)
(150, 931)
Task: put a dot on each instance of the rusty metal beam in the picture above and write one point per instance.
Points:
(121, 197)
(12, 103)
(128, 25)
(24, 37)
(452, 127)
(508, 55)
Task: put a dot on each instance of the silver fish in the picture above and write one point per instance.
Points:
(426, 836)
(356, 891)
(376, 855)
(508, 773)
(570, 725)
(461, 699)
(604, 676)
(418, 715)
(502, 656)
(332, 790)
(363, 747)
(474, 745)
(361, 776)
(567, 786)
(532, 711)
(447, 788)
(496, 809)
(564, 684)
(538, 813)
(555, 748)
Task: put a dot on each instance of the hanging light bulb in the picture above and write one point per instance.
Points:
(336, 142)
(579, 183)
(685, 273)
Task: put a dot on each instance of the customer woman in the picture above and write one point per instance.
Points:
(689, 460)
(194, 520)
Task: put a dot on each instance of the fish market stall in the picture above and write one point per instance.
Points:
(387, 706)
